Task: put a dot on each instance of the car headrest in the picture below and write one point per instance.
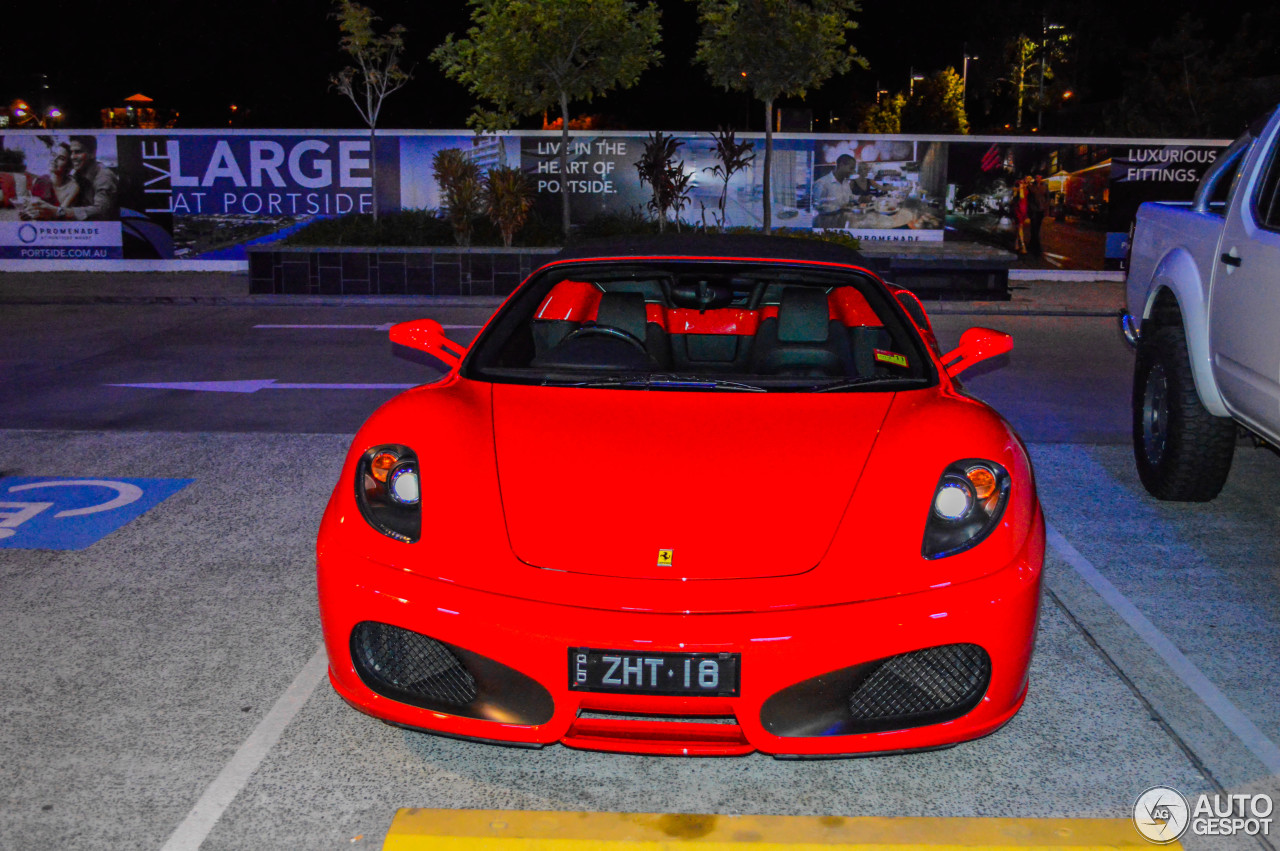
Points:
(624, 311)
(701, 295)
(803, 315)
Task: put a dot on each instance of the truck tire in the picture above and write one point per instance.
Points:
(1183, 451)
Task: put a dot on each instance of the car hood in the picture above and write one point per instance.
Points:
(729, 485)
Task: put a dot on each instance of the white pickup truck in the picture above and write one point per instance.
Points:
(1203, 297)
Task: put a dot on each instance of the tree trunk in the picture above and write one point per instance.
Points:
(724, 203)
(373, 159)
(1191, 101)
(564, 165)
(1022, 74)
(768, 166)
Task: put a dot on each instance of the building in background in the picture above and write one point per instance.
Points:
(138, 112)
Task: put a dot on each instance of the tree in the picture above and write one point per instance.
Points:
(1184, 84)
(1028, 63)
(460, 182)
(937, 106)
(773, 49)
(1019, 55)
(885, 116)
(527, 56)
(734, 156)
(667, 179)
(507, 197)
(377, 72)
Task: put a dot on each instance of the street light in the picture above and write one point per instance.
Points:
(964, 77)
(1044, 48)
(914, 77)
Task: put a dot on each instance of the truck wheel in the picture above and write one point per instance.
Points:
(1183, 451)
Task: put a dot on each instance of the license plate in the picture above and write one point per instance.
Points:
(712, 674)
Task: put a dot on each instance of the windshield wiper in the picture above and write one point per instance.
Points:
(856, 382)
(649, 380)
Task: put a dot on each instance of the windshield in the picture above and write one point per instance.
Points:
(723, 326)
(1211, 195)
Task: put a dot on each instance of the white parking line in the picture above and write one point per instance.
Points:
(1228, 713)
(253, 385)
(236, 773)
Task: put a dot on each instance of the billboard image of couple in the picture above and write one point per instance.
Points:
(59, 197)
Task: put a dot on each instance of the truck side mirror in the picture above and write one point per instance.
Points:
(425, 336)
(976, 345)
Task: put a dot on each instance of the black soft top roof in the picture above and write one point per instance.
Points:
(714, 245)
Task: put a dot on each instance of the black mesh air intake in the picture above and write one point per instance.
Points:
(939, 683)
(407, 666)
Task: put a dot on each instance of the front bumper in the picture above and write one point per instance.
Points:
(780, 652)
(1129, 327)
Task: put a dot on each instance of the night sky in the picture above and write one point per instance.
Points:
(274, 58)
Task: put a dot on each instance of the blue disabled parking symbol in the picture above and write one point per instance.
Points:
(46, 513)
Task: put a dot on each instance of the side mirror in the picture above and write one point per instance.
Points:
(976, 345)
(408, 339)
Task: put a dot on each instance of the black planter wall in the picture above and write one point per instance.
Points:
(442, 271)
(938, 270)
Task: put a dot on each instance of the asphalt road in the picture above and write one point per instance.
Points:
(1067, 379)
(162, 686)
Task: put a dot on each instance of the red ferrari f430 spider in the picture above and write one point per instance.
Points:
(697, 496)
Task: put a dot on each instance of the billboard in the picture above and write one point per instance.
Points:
(1145, 172)
(59, 198)
(212, 195)
(880, 189)
(1045, 202)
(197, 199)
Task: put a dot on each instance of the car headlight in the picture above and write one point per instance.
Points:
(388, 491)
(967, 505)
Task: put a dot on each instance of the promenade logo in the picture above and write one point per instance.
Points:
(1162, 815)
(50, 240)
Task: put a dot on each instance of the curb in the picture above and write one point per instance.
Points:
(934, 308)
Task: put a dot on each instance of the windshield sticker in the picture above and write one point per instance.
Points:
(891, 357)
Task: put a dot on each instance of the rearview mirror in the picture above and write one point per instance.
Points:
(426, 336)
(976, 345)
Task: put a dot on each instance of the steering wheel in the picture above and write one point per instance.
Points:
(606, 331)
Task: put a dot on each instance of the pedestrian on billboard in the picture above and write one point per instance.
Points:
(862, 186)
(58, 187)
(1037, 206)
(832, 196)
(1018, 211)
(97, 188)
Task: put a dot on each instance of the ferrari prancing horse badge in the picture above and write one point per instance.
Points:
(664, 558)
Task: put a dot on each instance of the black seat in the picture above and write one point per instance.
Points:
(801, 341)
(626, 312)
(620, 338)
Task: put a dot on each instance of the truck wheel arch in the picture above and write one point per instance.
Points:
(1178, 296)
